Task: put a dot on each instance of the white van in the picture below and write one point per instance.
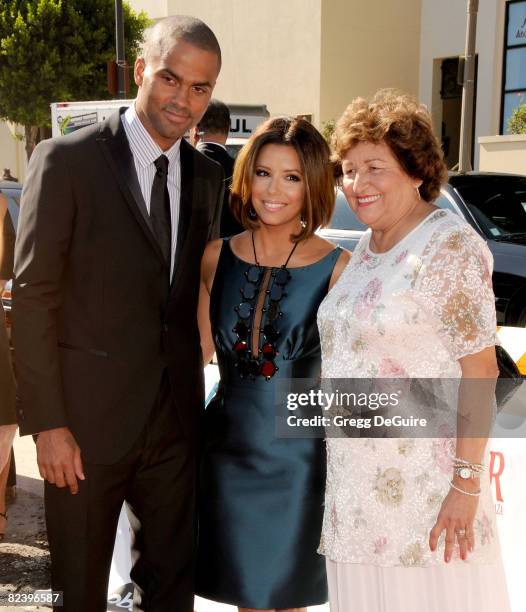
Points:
(66, 117)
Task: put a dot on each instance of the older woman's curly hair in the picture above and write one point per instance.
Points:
(405, 126)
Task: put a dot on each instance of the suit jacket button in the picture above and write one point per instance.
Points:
(165, 327)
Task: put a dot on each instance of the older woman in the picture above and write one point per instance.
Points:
(409, 523)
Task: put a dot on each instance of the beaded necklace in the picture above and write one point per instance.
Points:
(262, 364)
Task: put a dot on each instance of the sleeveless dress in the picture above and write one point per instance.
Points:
(411, 312)
(261, 496)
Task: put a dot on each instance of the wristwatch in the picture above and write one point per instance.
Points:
(466, 473)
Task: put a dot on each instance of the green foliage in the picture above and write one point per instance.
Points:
(57, 50)
(327, 129)
(517, 122)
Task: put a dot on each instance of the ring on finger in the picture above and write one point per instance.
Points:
(461, 533)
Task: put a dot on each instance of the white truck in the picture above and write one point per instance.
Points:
(66, 117)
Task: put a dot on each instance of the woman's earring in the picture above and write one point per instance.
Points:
(417, 187)
(303, 222)
(252, 213)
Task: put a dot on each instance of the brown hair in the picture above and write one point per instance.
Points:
(313, 153)
(406, 128)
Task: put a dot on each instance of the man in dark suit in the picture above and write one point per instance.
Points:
(209, 136)
(113, 224)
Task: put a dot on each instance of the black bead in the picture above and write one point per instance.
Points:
(282, 276)
(253, 274)
(248, 291)
(241, 329)
(244, 310)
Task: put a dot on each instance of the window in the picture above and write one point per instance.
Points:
(344, 218)
(514, 62)
(444, 202)
(498, 205)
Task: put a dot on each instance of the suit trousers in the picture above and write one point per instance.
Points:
(157, 479)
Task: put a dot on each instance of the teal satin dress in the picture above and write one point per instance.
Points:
(261, 496)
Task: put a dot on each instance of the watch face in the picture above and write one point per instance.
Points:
(464, 473)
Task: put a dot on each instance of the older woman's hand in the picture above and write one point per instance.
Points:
(475, 409)
(456, 517)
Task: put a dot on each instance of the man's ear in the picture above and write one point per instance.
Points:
(195, 136)
(138, 71)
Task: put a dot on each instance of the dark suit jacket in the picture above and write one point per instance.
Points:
(229, 226)
(96, 322)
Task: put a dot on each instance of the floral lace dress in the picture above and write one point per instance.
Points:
(413, 312)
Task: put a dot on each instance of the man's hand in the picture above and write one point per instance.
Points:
(58, 457)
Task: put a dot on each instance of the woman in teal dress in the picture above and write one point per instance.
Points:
(261, 496)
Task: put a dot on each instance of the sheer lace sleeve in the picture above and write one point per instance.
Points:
(456, 290)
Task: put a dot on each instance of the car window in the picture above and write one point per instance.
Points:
(498, 203)
(444, 202)
(344, 218)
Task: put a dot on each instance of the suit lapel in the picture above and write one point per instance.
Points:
(185, 203)
(114, 144)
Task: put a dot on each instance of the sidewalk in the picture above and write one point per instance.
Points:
(24, 557)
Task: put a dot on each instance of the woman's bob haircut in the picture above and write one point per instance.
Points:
(317, 170)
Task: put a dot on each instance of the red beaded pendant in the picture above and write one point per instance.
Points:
(268, 351)
(268, 369)
(241, 347)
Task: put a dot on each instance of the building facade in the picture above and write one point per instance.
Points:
(442, 43)
(311, 57)
(307, 57)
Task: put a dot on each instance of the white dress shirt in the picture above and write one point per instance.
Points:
(145, 151)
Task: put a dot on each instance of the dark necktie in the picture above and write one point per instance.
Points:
(160, 208)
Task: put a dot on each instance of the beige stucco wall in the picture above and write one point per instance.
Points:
(155, 9)
(309, 56)
(12, 152)
(271, 50)
(367, 45)
(503, 154)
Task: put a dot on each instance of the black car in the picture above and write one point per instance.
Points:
(495, 206)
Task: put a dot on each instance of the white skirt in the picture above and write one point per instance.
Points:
(459, 587)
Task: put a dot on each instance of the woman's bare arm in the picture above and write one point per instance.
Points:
(208, 269)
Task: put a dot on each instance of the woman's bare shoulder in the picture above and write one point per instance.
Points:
(345, 257)
(324, 247)
(341, 264)
(241, 242)
(212, 248)
(210, 258)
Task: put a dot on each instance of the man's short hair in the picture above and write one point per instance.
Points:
(159, 38)
(216, 119)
